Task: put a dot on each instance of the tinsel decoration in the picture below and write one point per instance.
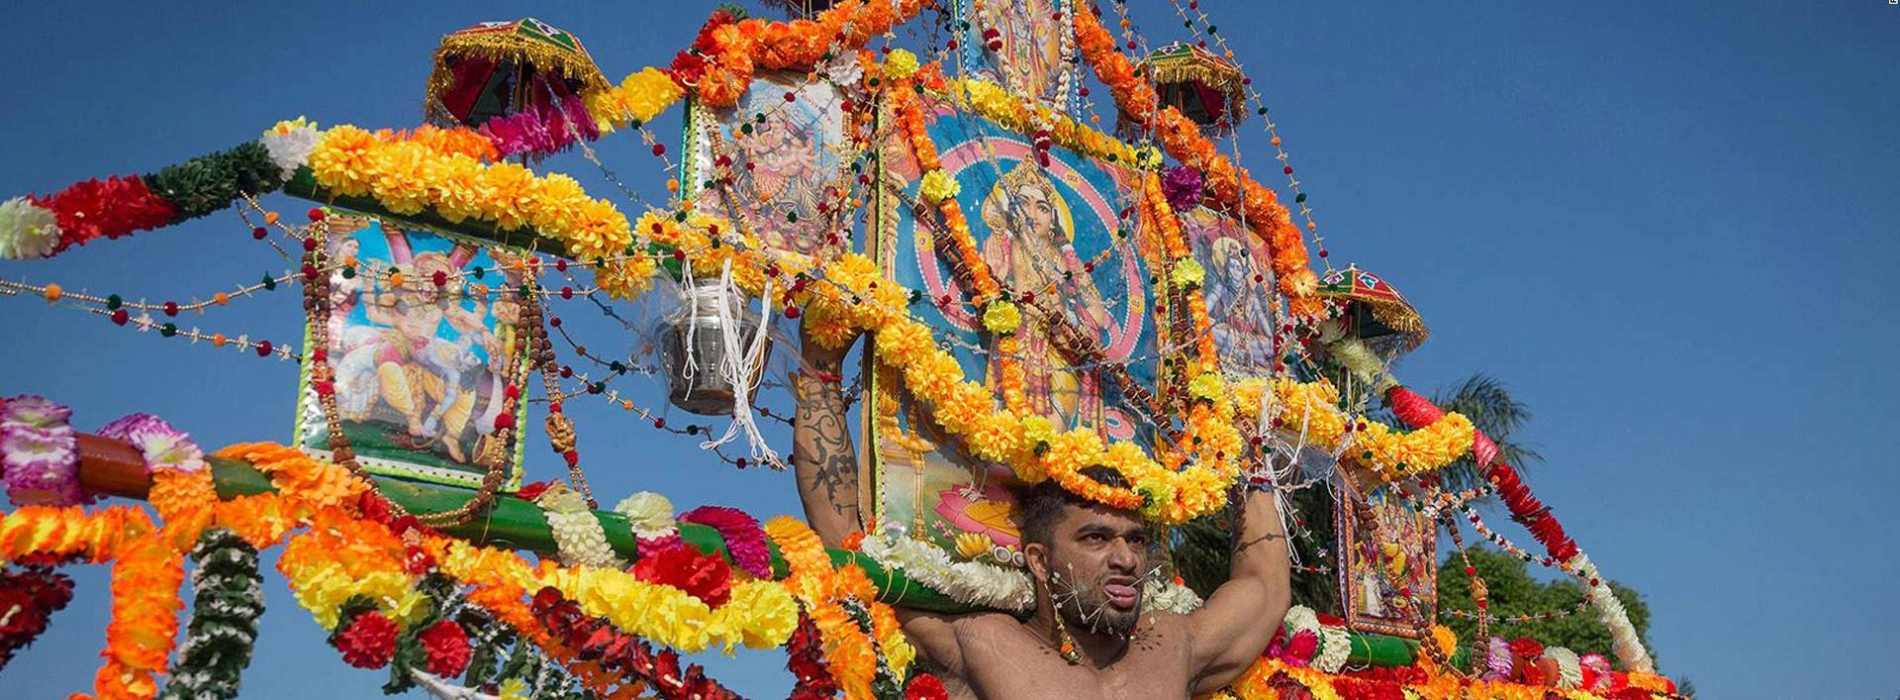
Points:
(227, 602)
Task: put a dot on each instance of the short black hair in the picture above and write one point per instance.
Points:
(1040, 506)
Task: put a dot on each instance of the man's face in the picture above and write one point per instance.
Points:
(1038, 213)
(1094, 567)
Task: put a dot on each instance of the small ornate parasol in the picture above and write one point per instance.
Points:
(1205, 88)
(1375, 311)
(523, 80)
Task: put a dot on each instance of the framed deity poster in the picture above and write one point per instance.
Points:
(420, 369)
(1242, 301)
(1055, 231)
(1388, 575)
(784, 158)
(1023, 45)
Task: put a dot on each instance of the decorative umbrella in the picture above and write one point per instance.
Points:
(1375, 311)
(522, 82)
(1204, 87)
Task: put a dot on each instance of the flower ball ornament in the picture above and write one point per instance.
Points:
(447, 648)
(369, 641)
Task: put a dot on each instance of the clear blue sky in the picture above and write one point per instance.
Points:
(1670, 227)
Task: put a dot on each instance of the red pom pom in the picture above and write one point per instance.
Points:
(316, 214)
(504, 421)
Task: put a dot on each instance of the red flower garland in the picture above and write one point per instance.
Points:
(1418, 412)
(109, 208)
(805, 658)
(369, 641)
(704, 576)
(447, 647)
(924, 686)
(618, 652)
(28, 599)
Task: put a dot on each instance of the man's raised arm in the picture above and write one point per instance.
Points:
(823, 461)
(1242, 615)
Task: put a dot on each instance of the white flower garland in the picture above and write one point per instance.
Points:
(1335, 646)
(1300, 618)
(578, 535)
(648, 513)
(1170, 597)
(27, 230)
(290, 143)
(1624, 640)
(968, 582)
(1569, 666)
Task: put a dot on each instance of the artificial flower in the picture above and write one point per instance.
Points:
(368, 641)
(289, 143)
(446, 647)
(938, 186)
(1002, 317)
(745, 542)
(971, 582)
(900, 65)
(648, 513)
(700, 575)
(27, 230)
(1188, 273)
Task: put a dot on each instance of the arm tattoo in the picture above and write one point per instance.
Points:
(821, 449)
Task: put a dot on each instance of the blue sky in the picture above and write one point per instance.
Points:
(1669, 227)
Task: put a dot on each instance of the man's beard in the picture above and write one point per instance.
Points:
(1087, 608)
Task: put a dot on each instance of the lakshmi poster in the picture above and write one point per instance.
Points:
(1381, 567)
(1239, 289)
(783, 160)
(1049, 231)
(420, 369)
(1021, 45)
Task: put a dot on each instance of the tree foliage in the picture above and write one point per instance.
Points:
(1514, 592)
(1203, 550)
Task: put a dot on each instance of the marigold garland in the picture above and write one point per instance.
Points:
(1230, 187)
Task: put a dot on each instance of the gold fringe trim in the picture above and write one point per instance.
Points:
(1181, 69)
(1399, 316)
(572, 64)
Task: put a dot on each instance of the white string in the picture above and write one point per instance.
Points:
(739, 365)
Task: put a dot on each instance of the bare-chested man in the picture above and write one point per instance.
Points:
(1087, 561)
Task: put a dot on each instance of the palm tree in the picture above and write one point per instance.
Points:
(1497, 414)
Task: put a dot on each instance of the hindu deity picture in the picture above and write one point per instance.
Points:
(1021, 45)
(420, 369)
(784, 154)
(1387, 575)
(1239, 290)
(1052, 234)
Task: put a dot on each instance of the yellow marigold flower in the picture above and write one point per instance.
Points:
(1002, 317)
(900, 65)
(1188, 273)
(1208, 386)
(939, 186)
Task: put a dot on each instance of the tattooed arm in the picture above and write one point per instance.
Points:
(827, 471)
(822, 458)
